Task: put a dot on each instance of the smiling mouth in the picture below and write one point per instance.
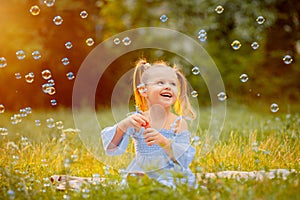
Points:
(166, 95)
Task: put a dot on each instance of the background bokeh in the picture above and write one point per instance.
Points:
(28, 25)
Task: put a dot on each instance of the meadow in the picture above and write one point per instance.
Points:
(36, 147)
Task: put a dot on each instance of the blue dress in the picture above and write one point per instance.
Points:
(153, 160)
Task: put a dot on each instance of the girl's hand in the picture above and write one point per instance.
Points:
(152, 136)
(136, 121)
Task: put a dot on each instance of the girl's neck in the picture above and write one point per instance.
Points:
(159, 116)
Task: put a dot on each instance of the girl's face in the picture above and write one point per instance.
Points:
(162, 86)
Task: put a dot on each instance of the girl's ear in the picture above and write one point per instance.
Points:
(142, 90)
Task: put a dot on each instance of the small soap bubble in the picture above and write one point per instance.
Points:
(3, 62)
(13, 120)
(53, 102)
(66, 197)
(28, 110)
(35, 10)
(202, 35)
(74, 158)
(58, 20)
(70, 75)
(20, 55)
(194, 94)
(85, 193)
(38, 122)
(244, 78)
(29, 78)
(89, 42)
(46, 74)
(219, 9)
(23, 112)
(44, 163)
(287, 59)
(163, 18)
(36, 55)
(2, 108)
(222, 96)
(68, 45)
(126, 41)
(49, 3)
(83, 14)
(3, 131)
(236, 44)
(67, 163)
(18, 75)
(11, 194)
(51, 91)
(117, 41)
(254, 45)
(65, 61)
(50, 123)
(274, 107)
(59, 125)
(260, 20)
(196, 70)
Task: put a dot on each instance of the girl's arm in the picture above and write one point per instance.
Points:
(136, 121)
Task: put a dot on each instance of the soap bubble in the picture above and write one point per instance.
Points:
(236, 44)
(59, 125)
(83, 14)
(11, 194)
(20, 54)
(254, 45)
(58, 20)
(65, 61)
(202, 35)
(36, 55)
(53, 102)
(68, 45)
(35, 10)
(287, 59)
(274, 107)
(50, 123)
(89, 42)
(49, 3)
(196, 70)
(219, 9)
(46, 74)
(222, 96)
(2, 108)
(163, 18)
(117, 41)
(260, 20)
(126, 41)
(74, 157)
(70, 75)
(3, 62)
(194, 93)
(244, 78)
(18, 75)
(51, 90)
(38, 122)
(28, 110)
(29, 78)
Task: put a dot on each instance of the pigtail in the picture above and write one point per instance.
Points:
(140, 101)
(182, 105)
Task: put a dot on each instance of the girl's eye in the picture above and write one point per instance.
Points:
(173, 84)
(160, 83)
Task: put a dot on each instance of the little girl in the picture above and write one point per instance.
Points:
(161, 138)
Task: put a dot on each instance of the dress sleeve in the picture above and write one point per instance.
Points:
(182, 150)
(108, 134)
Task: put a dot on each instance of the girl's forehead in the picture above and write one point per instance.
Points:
(160, 72)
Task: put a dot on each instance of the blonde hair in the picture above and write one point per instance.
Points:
(182, 106)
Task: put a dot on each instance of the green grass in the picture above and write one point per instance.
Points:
(250, 141)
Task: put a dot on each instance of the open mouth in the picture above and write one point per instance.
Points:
(168, 95)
